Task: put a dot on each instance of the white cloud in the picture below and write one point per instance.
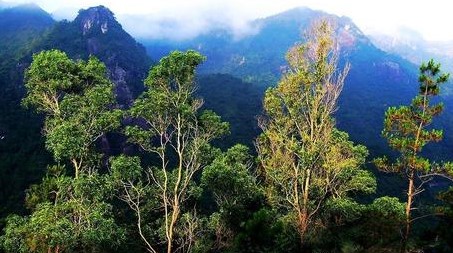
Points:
(183, 18)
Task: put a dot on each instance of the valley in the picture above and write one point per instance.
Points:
(235, 79)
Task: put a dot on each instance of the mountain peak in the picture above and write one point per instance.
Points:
(298, 20)
(22, 8)
(96, 19)
(23, 18)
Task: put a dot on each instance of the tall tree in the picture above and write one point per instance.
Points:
(78, 102)
(234, 190)
(176, 135)
(68, 213)
(407, 129)
(305, 159)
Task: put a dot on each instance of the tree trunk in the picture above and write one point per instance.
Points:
(410, 194)
(303, 214)
(174, 218)
(76, 167)
(303, 225)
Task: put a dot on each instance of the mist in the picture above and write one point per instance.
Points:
(182, 24)
(181, 19)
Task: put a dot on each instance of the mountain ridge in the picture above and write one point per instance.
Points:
(22, 152)
(412, 46)
(95, 31)
(376, 81)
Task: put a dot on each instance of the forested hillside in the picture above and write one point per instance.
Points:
(28, 29)
(22, 153)
(376, 80)
(244, 102)
(300, 137)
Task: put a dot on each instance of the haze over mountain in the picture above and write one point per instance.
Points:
(411, 45)
(232, 82)
(3, 4)
(376, 81)
(189, 19)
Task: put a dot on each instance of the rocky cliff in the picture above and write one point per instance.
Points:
(95, 31)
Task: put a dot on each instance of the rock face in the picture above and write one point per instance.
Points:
(125, 59)
(96, 18)
(95, 31)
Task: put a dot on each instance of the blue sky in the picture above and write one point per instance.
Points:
(432, 19)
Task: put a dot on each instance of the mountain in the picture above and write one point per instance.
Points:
(20, 26)
(26, 16)
(377, 79)
(413, 47)
(95, 31)
(22, 153)
(27, 29)
(237, 102)
(258, 57)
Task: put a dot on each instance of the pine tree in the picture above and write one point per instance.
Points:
(407, 129)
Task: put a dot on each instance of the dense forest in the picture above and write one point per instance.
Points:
(184, 162)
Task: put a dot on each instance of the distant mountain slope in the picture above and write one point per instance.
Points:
(259, 57)
(20, 27)
(414, 47)
(236, 102)
(376, 81)
(22, 153)
(27, 16)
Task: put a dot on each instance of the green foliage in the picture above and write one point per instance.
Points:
(229, 178)
(306, 161)
(343, 210)
(50, 74)
(407, 130)
(77, 99)
(76, 219)
(448, 168)
(125, 168)
(405, 127)
(177, 137)
(236, 192)
(69, 214)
